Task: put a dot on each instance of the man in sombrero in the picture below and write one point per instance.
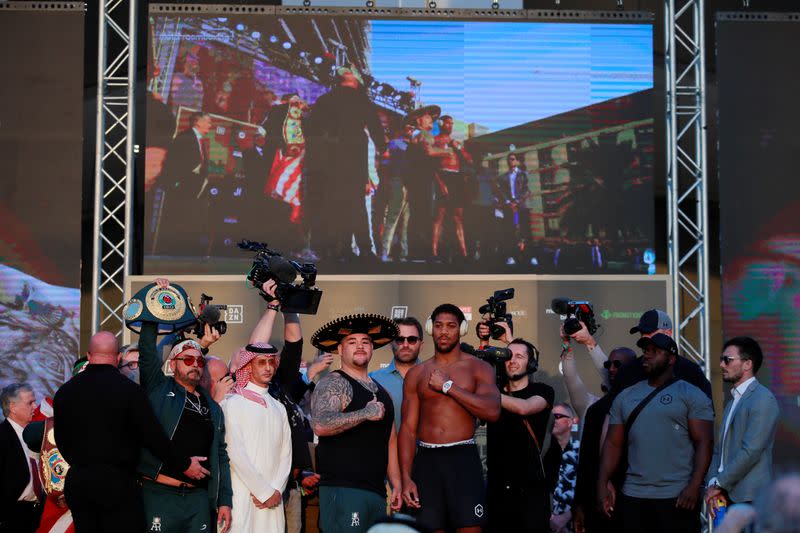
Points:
(259, 443)
(353, 417)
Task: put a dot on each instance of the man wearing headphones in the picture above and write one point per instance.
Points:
(442, 398)
(518, 495)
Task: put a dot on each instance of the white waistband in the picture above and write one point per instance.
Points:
(422, 444)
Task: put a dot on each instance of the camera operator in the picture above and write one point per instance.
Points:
(288, 386)
(518, 495)
(651, 322)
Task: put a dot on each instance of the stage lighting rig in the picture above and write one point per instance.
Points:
(620, 4)
(495, 5)
(431, 4)
(370, 4)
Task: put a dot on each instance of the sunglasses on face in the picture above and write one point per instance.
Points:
(192, 360)
(609, 364)
(412, 339)
(559, 416)
(726, 359)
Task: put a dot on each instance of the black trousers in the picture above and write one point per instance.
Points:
(21, 517)
(641, 515)
(102, 504)
(520, 510)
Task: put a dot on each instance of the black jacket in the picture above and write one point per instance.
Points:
(101, 420)
(14, 471)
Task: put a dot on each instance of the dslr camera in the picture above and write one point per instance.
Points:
(495, 311)
(295, 290)
(575, 311)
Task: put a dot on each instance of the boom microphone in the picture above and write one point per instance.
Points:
(560, 306)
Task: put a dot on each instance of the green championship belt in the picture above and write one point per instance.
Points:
(169, 307)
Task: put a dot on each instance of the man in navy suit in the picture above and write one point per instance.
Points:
(742, 464)
(20, 488)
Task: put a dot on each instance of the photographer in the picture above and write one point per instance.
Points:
(288, 387)
(518, 495)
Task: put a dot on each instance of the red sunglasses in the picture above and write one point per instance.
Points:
(192, 360)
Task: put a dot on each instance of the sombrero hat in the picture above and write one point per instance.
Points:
(380, 329)
(433, 110)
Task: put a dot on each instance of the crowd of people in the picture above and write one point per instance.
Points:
(408, 178)
(137, 441)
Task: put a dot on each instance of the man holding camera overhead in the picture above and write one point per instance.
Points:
(518, 495)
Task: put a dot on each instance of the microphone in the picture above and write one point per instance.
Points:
(467, 348)
(210, 314)
(560, 305)
(282, 269)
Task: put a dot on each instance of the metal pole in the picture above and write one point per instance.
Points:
(672, 165)
(705, 315)
(98, 166)
(129, 168)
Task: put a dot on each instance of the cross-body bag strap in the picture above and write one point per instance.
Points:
(638, 409)
(538, 447)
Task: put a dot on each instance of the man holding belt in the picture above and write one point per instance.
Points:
(195, 423)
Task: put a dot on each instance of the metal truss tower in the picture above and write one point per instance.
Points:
(687, 190)
(113, 217)
(685, 150)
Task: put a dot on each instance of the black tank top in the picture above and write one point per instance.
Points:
(357, 458)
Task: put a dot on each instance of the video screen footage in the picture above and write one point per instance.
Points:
(758, 147)
(41, 140)
(377, 145)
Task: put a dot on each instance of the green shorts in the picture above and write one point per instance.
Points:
(346, 510)
(171, 509)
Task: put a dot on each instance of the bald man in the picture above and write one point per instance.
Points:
(101, 420)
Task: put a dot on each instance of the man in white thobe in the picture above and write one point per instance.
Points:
(259, 443)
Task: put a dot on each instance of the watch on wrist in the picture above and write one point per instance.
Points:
(446, 385)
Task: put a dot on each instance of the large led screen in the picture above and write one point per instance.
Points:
(41, 129)
(759, 204)
(388, 145)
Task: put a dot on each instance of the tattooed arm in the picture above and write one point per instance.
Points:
(331, 397)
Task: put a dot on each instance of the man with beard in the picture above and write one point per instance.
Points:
(442, 400)
(336, 132)
(518, 493)
(406, 348)
(259, 442)
(662, 428)
(451, 185)
(352, 415)
(742, 464)
(595, 425)
(195, 423)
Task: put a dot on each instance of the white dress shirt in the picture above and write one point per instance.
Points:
(28, 495)
(512, 177)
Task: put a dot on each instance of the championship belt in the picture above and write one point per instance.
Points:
(169, 307)
(52, 465)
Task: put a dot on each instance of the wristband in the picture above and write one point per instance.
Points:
(274, 307)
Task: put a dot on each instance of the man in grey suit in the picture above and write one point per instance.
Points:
(742, 464)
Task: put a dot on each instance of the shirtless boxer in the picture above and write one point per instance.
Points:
(442, 398)
(450, 184)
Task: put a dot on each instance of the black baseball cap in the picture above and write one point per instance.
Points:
(651, 321)
(665, 342)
